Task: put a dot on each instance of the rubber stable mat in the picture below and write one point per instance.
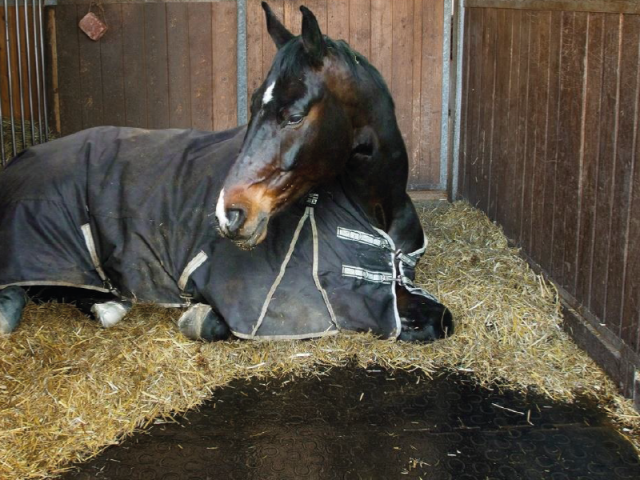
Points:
(352, 423)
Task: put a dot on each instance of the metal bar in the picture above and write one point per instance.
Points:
(7, 43)
(458, 105)
(36, 49)
(2, 154)
(446, 65)
(44, 77)
(19, 59)
(29, 89)
(242, 62)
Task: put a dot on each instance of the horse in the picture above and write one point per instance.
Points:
(322, 120)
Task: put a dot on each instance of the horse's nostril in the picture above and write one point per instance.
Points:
(235, 220)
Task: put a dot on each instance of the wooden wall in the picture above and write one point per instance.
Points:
(174, 64)
(549, 143)
(160, 65)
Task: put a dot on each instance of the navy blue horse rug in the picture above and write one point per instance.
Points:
(132, 212)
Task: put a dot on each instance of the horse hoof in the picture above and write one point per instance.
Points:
(200, 322)
(430, 321)
(110, 313)
(12, 302)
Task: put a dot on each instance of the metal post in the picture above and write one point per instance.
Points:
(28, 45)
(24, 133)
(444, 125)
(44, 78)
(36, 49)
(241, 94)
(9, 77)
(458, 100)
(2, 154)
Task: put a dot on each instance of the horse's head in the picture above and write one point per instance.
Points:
(300, 133)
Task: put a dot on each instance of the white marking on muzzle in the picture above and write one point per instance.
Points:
(268, 93)
(220, 212)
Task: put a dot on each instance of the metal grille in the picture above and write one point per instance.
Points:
(24, 122)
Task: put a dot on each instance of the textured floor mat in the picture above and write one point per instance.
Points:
(352, 424)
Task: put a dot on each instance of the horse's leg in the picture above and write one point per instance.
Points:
(110, 313)
(423, 319)
(12, 302)
(200, 322)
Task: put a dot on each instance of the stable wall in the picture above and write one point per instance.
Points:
(548, 149)
(176, 64)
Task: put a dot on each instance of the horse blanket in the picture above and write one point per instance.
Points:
(131, 211)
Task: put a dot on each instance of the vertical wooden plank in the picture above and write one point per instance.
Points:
(476, 25)
(521, 123)
(630, 331)
(68, 69)
(402, 88)
(526, 171)
(414, 150)
(135, 75)
(111, 52)
(591, 154)
(178, 59)
(563, 152)
(501, 127)
(156, 63)
(487, 107)
(623, 171)
(505, 205)
(360, 26)
(382, 38)
(225, 41)
(201, 60)
(426, 141)
(255, 24)
(575, 93)
(90, 78)
(541, 163)
(608, 135)
(338, 19)
(552, 140)
(292, 15)
(268, 47)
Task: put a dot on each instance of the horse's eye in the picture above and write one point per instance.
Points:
(295, 119)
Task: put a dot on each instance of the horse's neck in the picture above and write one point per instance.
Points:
(376, 173)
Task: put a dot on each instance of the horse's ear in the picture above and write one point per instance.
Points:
(312, 39)
(276, 29)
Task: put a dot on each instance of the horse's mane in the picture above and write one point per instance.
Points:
(292, 61)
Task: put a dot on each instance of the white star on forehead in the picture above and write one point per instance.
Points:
(268, 94)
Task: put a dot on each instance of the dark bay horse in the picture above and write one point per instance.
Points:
(324, 111)
(124, 208)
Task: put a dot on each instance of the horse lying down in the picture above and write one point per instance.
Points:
(106, 218)
(296, 226)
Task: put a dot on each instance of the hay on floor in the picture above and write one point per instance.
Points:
(69, 388)
(22, 142)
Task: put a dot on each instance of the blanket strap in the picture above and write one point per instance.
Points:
(91, 246)
(283, 267)
(316, 279)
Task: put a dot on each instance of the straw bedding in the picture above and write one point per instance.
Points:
(69, 388)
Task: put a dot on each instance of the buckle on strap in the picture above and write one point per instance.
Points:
(312, 199)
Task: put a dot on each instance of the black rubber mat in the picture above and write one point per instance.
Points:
(361, 424)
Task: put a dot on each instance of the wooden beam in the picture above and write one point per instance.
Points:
(603, 6)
